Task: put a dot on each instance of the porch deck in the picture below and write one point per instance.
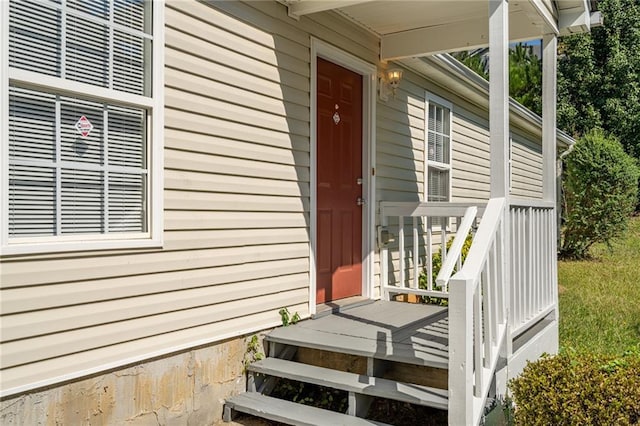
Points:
(393, 331)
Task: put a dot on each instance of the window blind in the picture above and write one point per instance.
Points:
(438, 174)
(63, 183)
(438, 134)
(105, 44)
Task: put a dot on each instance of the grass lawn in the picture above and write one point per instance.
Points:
(600, 298)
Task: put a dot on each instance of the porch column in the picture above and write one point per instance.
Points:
(499, 96)
(549, 153)
(549, 138)
(499, 153)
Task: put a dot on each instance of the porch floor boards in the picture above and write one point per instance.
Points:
(394, 331)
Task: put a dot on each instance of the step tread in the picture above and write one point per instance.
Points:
(351, 382)
(290, 412)
(426, 353)
(400, 332)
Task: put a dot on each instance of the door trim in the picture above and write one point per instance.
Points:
(368, 71)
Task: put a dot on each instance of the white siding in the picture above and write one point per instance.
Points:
(400, 145)
(237, 173)
(526, 166)
(470, 156)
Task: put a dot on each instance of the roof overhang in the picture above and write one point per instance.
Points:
(419, 28)
(575, 16)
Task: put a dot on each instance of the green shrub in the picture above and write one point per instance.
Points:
(601, 191)
(585, 389)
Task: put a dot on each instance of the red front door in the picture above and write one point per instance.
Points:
(339, 171)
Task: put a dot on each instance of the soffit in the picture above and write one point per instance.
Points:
(409, 28)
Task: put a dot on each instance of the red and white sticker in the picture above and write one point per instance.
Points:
(84, 126)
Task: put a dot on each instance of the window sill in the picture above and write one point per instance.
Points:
(53, 245)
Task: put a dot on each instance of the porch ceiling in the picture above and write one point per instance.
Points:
(409, 28)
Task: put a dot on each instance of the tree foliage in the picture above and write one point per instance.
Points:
(525, 77)
(525, 73)
(601, 191)
(476, 60)
(599, 76)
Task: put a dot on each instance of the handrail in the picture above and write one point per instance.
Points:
(522, 202)
(435, 209)
(477, 313)
(422, 230)
(484, 237)
(454, 256)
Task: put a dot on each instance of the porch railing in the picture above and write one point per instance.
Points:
(431, 227)
(478, 293)
(534, 282)
(477, 319)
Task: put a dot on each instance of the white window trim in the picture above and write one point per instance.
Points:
(151, 238)
(429, 98)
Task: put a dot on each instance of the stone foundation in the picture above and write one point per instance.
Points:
(188, 388)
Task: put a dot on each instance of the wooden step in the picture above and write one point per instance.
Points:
(425, 352)
(350, 382)
(288, 412)
(400, 332)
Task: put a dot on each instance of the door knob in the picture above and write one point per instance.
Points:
(361, 201)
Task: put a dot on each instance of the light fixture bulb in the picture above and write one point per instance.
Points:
(394, 76)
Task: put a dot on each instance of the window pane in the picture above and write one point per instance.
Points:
(432, 117)
(446, 121)
(439, 119)
(445, 150)
(82, 202)
(438, 185)
(132, 14)
(32, 125)
(87, 57)
(98, 8)
(32, 201)
(126, 201)
(34, 42)
(127, 137)
(128, 63)
(74, 147)
(431, 146)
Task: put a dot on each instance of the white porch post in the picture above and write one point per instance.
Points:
(549, 140)
(499, 149)
(499, 96)
(549, 76)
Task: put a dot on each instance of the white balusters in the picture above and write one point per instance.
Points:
(533, 264)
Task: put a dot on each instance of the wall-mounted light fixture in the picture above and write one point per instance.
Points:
(389, 82)
(385, 236)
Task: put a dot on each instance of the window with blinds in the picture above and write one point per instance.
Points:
(103, 43)
(78, 158)
(438, 149)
